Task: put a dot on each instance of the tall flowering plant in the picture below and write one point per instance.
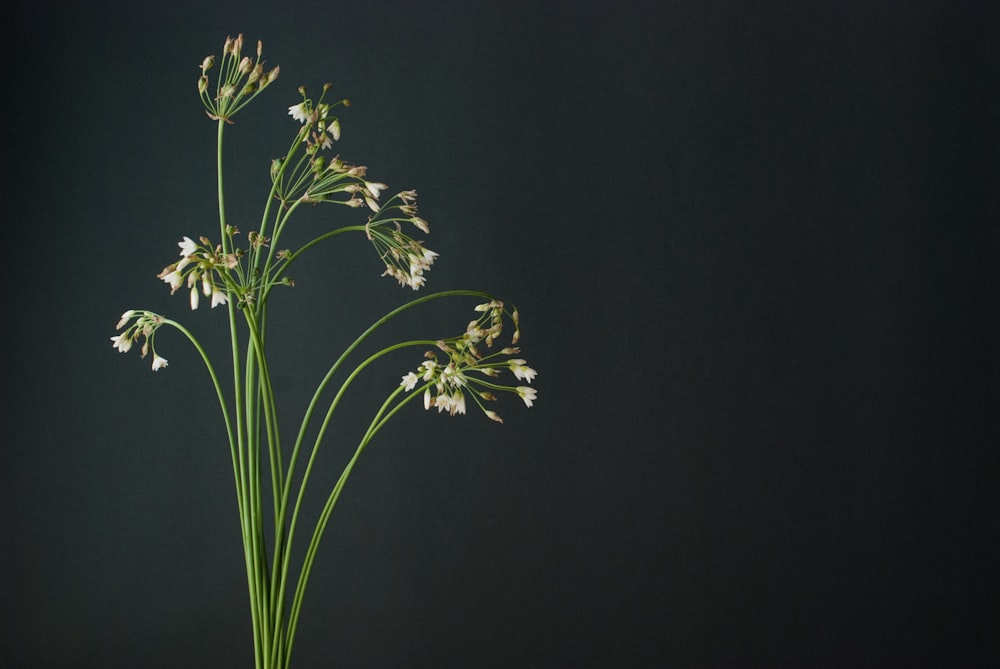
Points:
(238, 272)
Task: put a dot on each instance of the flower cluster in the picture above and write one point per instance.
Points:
(240, 80)
(406, 259)
(145, 325)
(196, 269)
(465, 371)
(320, 129)
(320, 178)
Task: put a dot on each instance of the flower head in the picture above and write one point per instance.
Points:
(468, 372)
(138, 324)
(239, 80)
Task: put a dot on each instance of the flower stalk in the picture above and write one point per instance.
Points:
(240, 271)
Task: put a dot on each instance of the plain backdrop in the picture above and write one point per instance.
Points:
(756, 252)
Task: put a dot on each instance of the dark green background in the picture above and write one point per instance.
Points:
(756, 251)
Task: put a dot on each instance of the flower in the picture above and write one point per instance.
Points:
(126, 317)
(299, 112)
(521, 370)
(188, 246)
(173, 278)
(409, 382)
(375, 188)
(527, 394)
(158, 362)
(218, 297)
(122, 342)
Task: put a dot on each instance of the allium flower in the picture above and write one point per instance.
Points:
(299, 112)
(375, 188)
(158, 362)
(218, 297)
(467, 372)
(188, 246)
(521, 370)
(173, 278)
(527, 394)
(409, 382)
(126, 317)
(122, 342)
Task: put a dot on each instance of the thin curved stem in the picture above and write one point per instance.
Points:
(380, 419)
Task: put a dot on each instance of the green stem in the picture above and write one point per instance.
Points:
(245, 483)
(376, 424)
(314, 402)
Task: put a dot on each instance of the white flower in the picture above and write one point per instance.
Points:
(427, 398)
(188, 246)
(493, 415)
(158, 362)
(174, 279)
(458, 405)
(522, 371)
(122, 343)
(409, 382)
(453, 404)
(218, 297)
(298, 112)
(125, 318)
(527, 394)
(335, 129)
(194, 297)
(374, 188)
(416, 281)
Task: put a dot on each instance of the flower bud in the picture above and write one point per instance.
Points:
(255, 73)
(207, 64)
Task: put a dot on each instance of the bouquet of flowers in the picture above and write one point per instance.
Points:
(238, 272)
